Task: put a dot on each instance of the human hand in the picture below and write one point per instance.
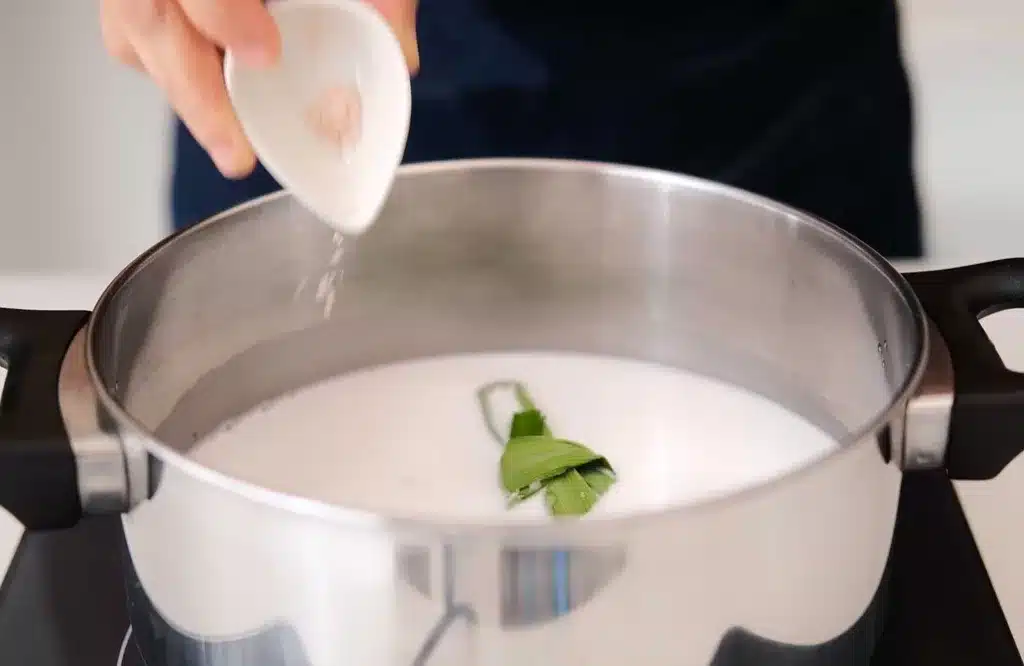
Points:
(179, 44)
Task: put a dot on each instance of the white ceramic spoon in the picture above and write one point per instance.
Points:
(330, 120)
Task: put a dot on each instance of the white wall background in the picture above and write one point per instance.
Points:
(967, 60)
(83, 143)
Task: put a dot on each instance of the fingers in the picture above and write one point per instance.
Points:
(188, 67)
(244, 27)
(401, 15)
(114, 38)
(178, 43)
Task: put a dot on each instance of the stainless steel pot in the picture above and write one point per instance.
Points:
(100, 412)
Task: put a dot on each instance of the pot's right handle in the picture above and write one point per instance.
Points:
(986, 426)
(38, 474)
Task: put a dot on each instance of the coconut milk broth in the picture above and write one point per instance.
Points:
(409, 439)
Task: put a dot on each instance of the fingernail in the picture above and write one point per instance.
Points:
(231, 161)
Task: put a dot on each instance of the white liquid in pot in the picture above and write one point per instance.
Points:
(409, 439)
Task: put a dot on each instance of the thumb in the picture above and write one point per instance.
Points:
(401, 16)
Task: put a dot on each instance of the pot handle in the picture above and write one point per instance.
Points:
(38, 474)
(986, 426)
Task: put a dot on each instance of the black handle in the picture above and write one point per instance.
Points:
(38, 477)
(986, 430)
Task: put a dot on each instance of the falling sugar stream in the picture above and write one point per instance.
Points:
(327, 283)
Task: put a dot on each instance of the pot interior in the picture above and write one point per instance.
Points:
(550, 269)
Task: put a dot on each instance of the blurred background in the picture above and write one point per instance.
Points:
(85, 143)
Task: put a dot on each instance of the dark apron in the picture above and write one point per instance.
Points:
(804, 101)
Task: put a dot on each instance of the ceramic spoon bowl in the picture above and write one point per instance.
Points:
(330, 120)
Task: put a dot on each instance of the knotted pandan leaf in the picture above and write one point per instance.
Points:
(527, 460)
(573, 477)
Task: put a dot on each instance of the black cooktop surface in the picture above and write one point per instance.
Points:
(63, 602)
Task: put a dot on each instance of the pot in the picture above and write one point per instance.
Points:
(102, 410)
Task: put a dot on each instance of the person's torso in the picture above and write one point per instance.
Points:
(468, 45)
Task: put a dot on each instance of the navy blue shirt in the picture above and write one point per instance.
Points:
(805, 101)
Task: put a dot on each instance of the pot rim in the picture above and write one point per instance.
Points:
(539, 531)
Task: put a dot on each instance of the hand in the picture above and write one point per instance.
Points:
(178, 43)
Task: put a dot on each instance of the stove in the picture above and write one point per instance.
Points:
(63, 602)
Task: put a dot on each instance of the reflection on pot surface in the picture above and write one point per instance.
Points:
(537, 585)
(279, 645)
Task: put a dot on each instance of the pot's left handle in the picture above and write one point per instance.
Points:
(986, 421)
(38, 472)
